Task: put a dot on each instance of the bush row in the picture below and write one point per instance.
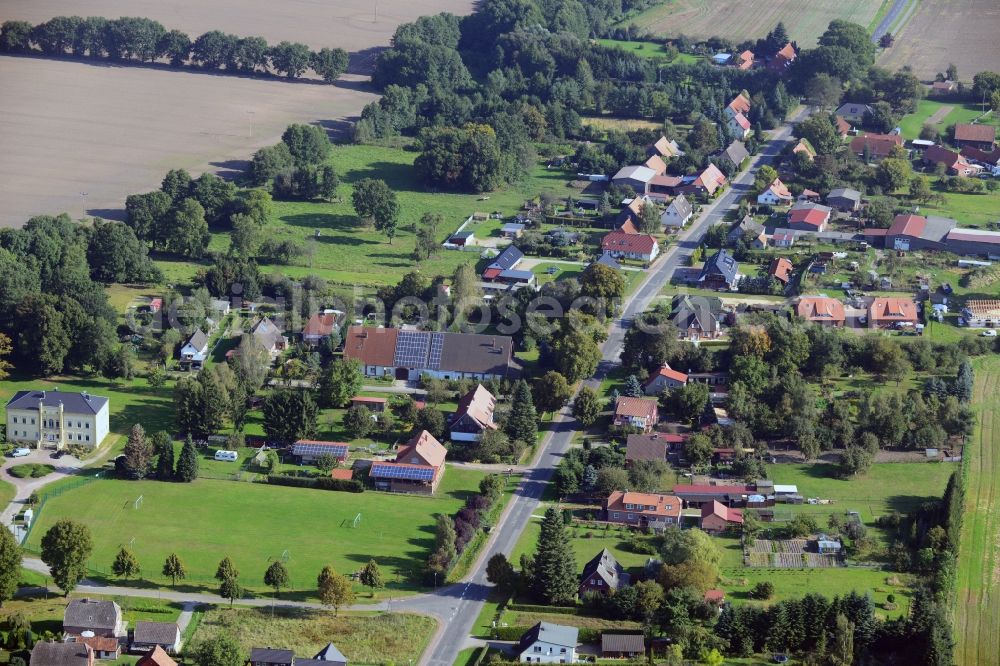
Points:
(145, 40)
(319, 483)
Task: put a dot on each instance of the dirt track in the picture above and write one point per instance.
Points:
(69, 127)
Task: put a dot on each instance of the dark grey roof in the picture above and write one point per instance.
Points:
(622, 643)
(721, 263)
(681, 206)
(468, 352)
(745, 225)
(606, 566)
(330, 653)
(507, 259)
(609, 261)
(73, 403)
(735, 152)
(699, 312)
(92, 614)
(556, 634)
(846, 193)
(272, 655)
(162, 633)
(266, 333)
(59, 654)
(198, 339)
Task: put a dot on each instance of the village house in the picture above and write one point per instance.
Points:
(474, 416)
(746, 226)
(548, 643)
(842, 126)
(504, 265)
(268, 337)
(776, 194)
(308, 451)
(156, 657)
(148, 635)
(195, 351)
(971, 135)
(721, 271)
(783, 59)
(875, 147)
(656, 163)
(663, 379)
(654, 446)
(623, 646)
(602, 575)
(744, 60)
(320, 327)
(102, 618)
(631, 212)
(844, 199)
(622, 245)
(418, 468)
(717, 518)
(408, 355)
(328, 656)
(808, 216)
(891, 312)
(954, 163)
(665, 148)
(373, 404)
(47, 653)
(697, 317)
(103, 647)
(636, 412)
(808, 195)
(512, 230)
(989, 159)
(707, 182)
(677, 213)
(803, 147)
(734, 154)
(740, 105)
(853, 112)
(780, 269)
(739, 125)
(916, 232)
(696, 495)
(56, 419)
(642, 509)
(782, 240)
(635, 176)
(271, 657)
(942, 88)
(821, 310)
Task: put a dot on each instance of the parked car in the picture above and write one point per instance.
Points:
(20, 452)
(56, 455)
(990, 333)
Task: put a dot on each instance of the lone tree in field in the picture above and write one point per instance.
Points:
(173, 568)
(187, 464)
(334, 590)
(371, 576)
(66, 547)
(125, 565)
(10, 565)
(276, 576)
(376, 204)
(555, 566)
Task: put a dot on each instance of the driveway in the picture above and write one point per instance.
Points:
(65, 466)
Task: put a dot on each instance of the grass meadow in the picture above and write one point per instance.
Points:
(912, 123)
(255, 524)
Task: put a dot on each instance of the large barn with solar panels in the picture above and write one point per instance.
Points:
(418, 468)
(407, 355)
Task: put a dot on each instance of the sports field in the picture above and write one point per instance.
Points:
(977, 612)
(255, 524)
(740, 20)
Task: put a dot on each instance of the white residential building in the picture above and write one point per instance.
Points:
(54, 419)
(547, 643)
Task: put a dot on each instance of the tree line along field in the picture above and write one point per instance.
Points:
(255, 524)
(740, 20)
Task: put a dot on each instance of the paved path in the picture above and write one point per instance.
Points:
(65, 466)
(897, 8)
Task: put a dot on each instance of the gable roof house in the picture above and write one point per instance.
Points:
(46, 653)
(916, 232)
(308, 451)
(677, 213)
(622, 645)
(665, 148)
(635, 176)
(603, 575)
(654, 446)
(721, 271)
(548, 643)
(888, 312)
(268, 337)
(805, 148)
(507, 260)
(474, 415)
(983, 137)
(621, 245)
(808, 216)
(739, 105)
(697, 317)
(783, 59)
(328, 656)
(656, 163)
(739, 125)
(103, 618)
(156, 657)
(706, 182)
(780, 269)
(320, 327)
(843, 127)
(642, 509)
(876, 146)
(663, 379)
(746, 225)
(844, 199)
(405, 354)
(195, 350)
(744, 60)
(418, 468)
(956, 164)
(853, 112)
(630, 212)
(147, 635)
(636, 412)
(735, 153)
(776, 194)
(821, 310)
(271, 657)
(717, 517)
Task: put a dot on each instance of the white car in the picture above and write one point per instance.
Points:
(20, 452)
(990, 333)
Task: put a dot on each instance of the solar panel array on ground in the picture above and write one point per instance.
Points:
(405, 472)
(415, 349)
(320, 449)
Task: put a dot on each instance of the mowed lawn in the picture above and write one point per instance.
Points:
(740, 20)
(977, 612)
(343, 251)
(967, 209)
(912, 123)
(255, 524)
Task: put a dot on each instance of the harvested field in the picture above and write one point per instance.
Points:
(749, 19)
(70, 127)
(927, 43)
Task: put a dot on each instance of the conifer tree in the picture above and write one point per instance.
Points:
(555, 579)
(187, 464)
(522, 422)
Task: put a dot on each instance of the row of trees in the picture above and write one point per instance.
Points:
(153, 457)
(145, 40)
(453, 534)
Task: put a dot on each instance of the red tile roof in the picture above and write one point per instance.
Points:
(320, 325)
(941, 155)
(669, 373)
(711, 178)
(787, 52)
(342, 474)
(780, 269)
(664, 506)
(908, 225)
(892, 309)
(780, 189)
(628, 227)
(816, 217)
(977, 133)
(365, 399)
(820, 309)
(656, 163)
(156, 657)
(877, 145)
(425, 446)
(741, 104)
(705, 489)
(715, 596)
(492, 273)
(843, 127)
(620, 241)
(742, 121)
(371, 346)
(635, 407)
(714, 508)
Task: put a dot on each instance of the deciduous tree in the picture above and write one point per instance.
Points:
(371, 576)
(277, 577)
(66, 547)
(125, 565)
(551, 392)
(174, 569)
(334, 589)
(10, 565)
(587, 406)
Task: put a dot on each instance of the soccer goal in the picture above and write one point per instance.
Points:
(357, 521)
(285, 556)
(138, 502)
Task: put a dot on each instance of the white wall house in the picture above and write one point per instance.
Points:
(547, 643)
(54, 419)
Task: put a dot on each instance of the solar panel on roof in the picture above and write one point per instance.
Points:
(416, 349)
(316, 449)
(437, 344)
(391, 471)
